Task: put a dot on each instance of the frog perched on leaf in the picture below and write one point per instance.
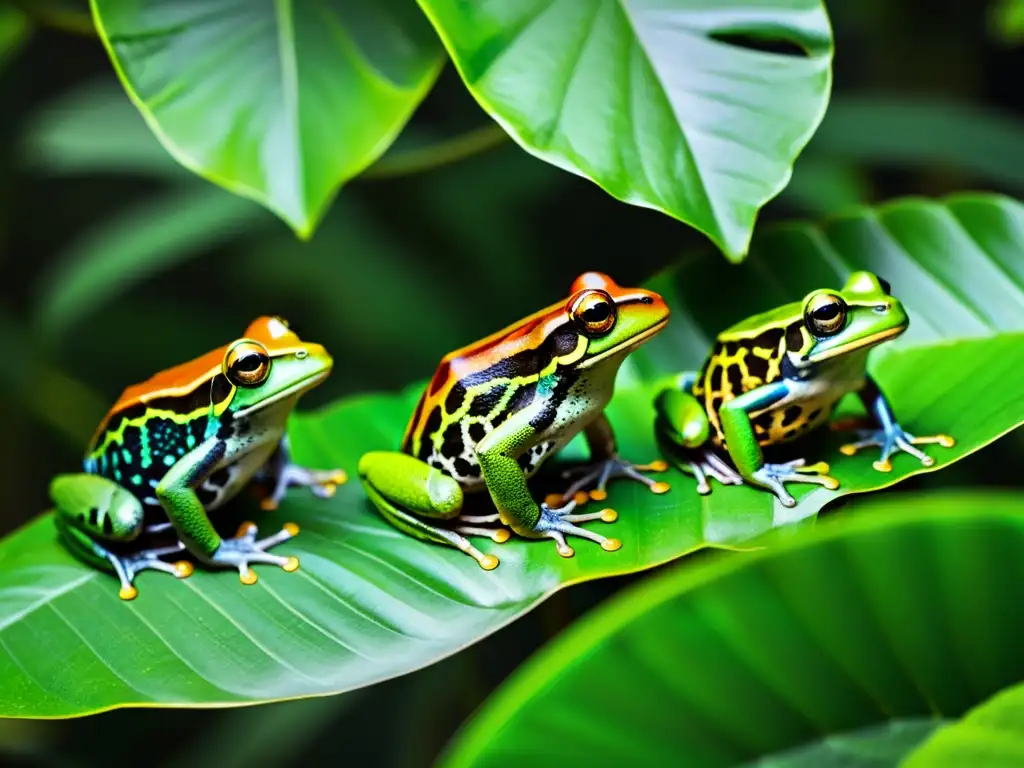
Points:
(185, 442)
(496, 410)
(776, 377)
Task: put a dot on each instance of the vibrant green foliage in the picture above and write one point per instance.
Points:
(370, 603)
(899, 612)
(279, 102)
(671, 106)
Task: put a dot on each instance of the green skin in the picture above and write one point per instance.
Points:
(810, 381)
(570, 398)
(188, 454)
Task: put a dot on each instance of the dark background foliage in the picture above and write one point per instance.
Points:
(926, 101)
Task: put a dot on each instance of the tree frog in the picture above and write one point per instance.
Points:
(497, 409)
(775, 377)
(183, 443)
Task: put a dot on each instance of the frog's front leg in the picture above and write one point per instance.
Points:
(282, 473)
(889, 435)
(606, 465)
(176, 493)
(745, 452)
(405, 489)
(91, 508)
(498, 453)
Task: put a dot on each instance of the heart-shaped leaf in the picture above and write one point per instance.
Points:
(904, 614)
(370, 603)
(696, 108)
(281, 102)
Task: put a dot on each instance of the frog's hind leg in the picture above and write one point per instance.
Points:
(283, 473)
(394, 480)
(91, 509)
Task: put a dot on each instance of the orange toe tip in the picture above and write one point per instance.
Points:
(246, 528)
(598, 495)
(882, 466)
(500, 536)
(831, 483)
(488, 562)
(248, 577)
(128, 593)
(847, 450)
(340, 477)
(611, 545)
(946, 441)
(268, 505)
(553, 500)
(609, 515)
(660, 488)
(183, 569)
(290, 528)
(566, 551)
(291, 565)
(657, 466)
(581, 497)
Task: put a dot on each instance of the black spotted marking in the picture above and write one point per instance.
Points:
(485, 402)
(715, 383)
(207, 495)
(768, 340)
(791, 414)
(813, 415)
(794, 337)
(456, 396)
(756, 366)
(433, 424)
(735, 376)
(522, 397)
(716, 403)
(94, 514)
(436, 464)
(451, 440)
(546, 417)
(220, 478)
(498, 419)
(525, 461)
(108, 525)
(477, 431)
(463, 468)
(529, 362)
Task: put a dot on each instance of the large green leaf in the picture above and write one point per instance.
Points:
(277, 101)
(909, 611)
(667, 104)
(14, 29)
(989, 736)
(370, 603)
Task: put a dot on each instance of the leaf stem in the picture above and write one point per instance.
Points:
(436, 155)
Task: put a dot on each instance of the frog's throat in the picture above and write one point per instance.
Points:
(633, 342)
(301, 385)
(866, 341)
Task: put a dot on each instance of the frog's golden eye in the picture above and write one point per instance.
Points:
(825, 314)
(247, 364)
(593, 311)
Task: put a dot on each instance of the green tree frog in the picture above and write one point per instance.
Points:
(775, 377)
(497, 409)
(183, 443)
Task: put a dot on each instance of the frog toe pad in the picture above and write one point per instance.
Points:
(246, 550)
(557, 523)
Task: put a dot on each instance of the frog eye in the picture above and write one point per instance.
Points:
(825, 314)
(247, 364)
(593, 311)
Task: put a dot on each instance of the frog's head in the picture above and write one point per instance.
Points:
(271, 363)
(612, 319)
(861, 315)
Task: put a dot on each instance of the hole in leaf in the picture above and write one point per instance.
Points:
(760, 42)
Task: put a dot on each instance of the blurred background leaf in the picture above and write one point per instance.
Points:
(279, 104)
(678, 107)
(908, 612)
(14, 30)
(1006, 21)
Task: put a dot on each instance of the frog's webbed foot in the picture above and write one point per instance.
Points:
(128, 567)
(283, 473)
(245, 550)
(774, 476)
(498, 535)
(704, 463)
(596, 476)
(558, 522)
(894, 440)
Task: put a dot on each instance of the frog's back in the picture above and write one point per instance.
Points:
(742, 360)
(477, 388)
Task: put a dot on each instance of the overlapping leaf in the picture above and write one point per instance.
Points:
(369, 603)
(845, 648)
(673, 105)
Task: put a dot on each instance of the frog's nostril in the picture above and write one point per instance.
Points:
(301, 354)
(646, 300)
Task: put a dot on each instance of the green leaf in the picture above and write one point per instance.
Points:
(117, 254)
(989, 736)
(281, 102)
(1006, 21)
(667, 105)
(903, 611)
(14, 31)
(370, 603)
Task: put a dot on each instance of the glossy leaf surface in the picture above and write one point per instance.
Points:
(901, 611)
(280, 101)
(989, 736)
(669, 104)
(369, 603)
